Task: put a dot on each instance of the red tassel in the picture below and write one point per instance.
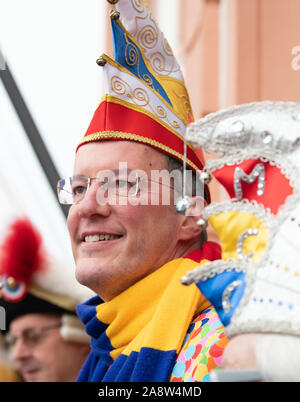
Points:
(21, 253)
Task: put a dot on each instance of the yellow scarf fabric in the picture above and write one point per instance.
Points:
(163, 310)
(138, 335)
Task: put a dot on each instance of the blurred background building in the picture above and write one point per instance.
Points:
(231, 51)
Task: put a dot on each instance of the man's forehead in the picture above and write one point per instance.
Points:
(109, 154)
(28, 321)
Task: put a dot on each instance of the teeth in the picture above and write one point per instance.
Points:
(100, 237)
(90, 239)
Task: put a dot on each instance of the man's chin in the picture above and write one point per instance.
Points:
(103, 279)
(89, 272)
(34, 376)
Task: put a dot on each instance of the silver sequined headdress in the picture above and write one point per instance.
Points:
(256, 285)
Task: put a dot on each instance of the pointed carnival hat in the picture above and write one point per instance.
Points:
(146, 99)
(256, 285)
(33, 282)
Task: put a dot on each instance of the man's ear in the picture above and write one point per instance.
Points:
(189, 229)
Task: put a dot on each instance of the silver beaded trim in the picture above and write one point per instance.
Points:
(240, 243)
(210, 269)
(243, 133)
(251, 207)
(227, 307)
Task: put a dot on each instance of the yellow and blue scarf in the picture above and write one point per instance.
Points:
(137, 336)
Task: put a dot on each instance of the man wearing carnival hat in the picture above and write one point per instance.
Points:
(131, 245)
(45, 339)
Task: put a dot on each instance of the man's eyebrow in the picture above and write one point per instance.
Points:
(29, 329)
(79, 176)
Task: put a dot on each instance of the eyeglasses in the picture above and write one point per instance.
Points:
(72, 190)
(236, 376)
(30, 336)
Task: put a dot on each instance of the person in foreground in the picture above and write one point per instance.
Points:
(255, 288)
(44, 338)
(130, 244)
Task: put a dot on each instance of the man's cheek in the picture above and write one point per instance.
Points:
(131, 215)
(72, 224)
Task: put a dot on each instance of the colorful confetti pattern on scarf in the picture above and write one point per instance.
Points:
(202, 349)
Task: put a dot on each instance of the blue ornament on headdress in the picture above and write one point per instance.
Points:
(224, 291)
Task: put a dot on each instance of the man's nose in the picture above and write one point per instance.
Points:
(20, 350)
(93, 202)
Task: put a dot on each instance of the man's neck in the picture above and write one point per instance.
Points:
(183, 249)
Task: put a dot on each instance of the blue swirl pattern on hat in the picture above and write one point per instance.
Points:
(128, 54)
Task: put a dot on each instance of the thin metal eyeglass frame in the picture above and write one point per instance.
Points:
(12, 339)
(89, 180)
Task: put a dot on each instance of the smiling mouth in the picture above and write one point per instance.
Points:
(28, 374)
(100, 237)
